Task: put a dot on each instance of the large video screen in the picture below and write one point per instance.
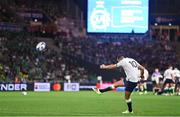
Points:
(117, 16)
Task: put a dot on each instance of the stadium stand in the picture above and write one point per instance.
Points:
(70, 51)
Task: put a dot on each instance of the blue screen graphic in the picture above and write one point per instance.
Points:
(117, 16)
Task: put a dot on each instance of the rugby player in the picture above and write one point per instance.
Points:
(131, 68)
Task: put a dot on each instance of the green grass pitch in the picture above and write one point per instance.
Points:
(85, 103)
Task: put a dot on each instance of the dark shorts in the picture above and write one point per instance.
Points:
(142, 81)
(130, 86)
(168, 81)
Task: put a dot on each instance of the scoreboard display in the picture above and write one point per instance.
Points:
(117, 16)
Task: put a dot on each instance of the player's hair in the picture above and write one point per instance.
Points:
(169, 65)
(120, 58)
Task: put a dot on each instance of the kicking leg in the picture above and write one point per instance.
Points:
(107, 89)
(100, 91)
(112, 87)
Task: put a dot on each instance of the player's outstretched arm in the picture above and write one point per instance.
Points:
(111, 66)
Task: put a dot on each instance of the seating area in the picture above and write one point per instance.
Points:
(20, 62)
(151, 53)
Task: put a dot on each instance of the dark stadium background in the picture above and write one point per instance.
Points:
(70, 50)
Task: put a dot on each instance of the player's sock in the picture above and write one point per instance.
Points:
(171, 90)
(145, 88)
(165, 90)
(141, 90)
(107, 89)
(129, 104)
(145, 91)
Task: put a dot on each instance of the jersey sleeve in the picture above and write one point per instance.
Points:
(119, 64)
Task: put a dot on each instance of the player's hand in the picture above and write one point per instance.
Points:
(102, 66)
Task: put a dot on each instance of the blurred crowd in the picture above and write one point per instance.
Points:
(99, 50)
(21, 62)
(41, 16)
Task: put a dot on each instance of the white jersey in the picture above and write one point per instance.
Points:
(130, 67)
(155, 76)
(176, 73)
(168, 74)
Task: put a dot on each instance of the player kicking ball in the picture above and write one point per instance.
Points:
(131, 68)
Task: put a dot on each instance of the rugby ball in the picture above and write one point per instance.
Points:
(41, 46)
